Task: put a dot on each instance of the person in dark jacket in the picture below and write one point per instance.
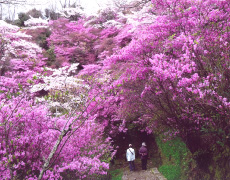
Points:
(144, 156)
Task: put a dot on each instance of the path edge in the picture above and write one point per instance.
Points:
(158, 175)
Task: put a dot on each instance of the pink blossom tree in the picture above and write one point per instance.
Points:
(72, 42)
(174, 72)
(34, 142)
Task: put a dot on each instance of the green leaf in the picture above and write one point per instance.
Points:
(8, 96)
(171, 37)
(20, 86)
(44, 68)
(30, 81)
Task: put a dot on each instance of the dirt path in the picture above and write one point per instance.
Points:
(139, 175)
(150, 174)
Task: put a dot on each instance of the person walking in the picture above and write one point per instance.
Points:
(144, 156)
(130, 155)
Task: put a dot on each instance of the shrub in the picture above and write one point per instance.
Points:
(22, 18)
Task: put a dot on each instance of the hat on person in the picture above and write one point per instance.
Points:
(130, 145)
(143, 144)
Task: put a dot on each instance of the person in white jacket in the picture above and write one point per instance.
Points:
(130, 155)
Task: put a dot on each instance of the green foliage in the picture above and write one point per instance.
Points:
(173, 149)
(116, 174)
(16, 22)
(40, 35)
(171, 172)
(22, 17)
(51, 56)
(41, 38)
(175, 157)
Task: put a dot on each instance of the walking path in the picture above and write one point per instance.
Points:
(138, 175)
(151, 173)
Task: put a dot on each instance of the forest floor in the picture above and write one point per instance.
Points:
(121, 171)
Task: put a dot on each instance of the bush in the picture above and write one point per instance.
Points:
(39, 35)
(22, 18)
(50, 55)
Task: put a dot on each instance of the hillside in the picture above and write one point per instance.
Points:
(77, 90)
